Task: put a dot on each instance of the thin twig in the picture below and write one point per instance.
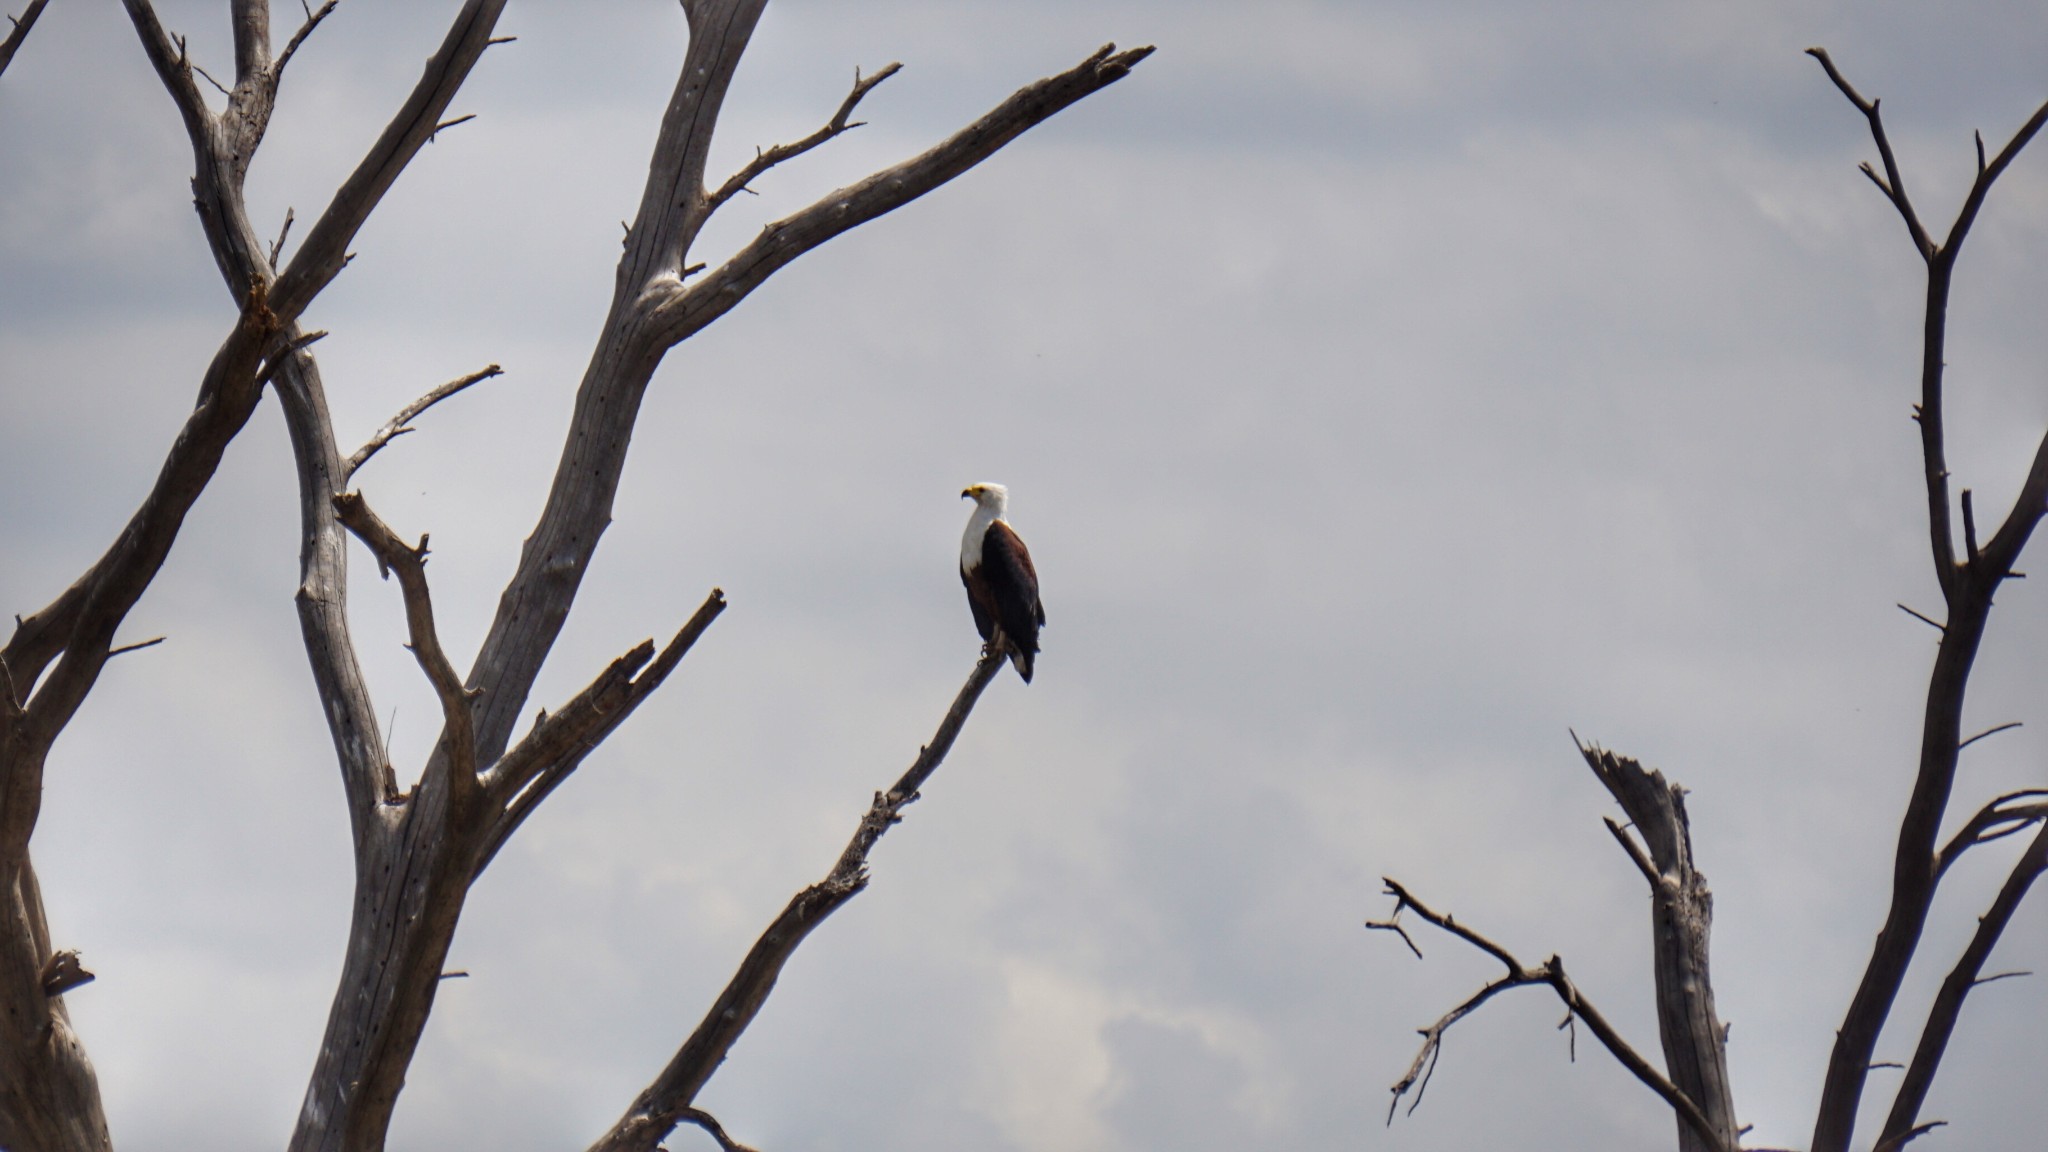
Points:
(409, 562)
(1894, 1143)
(137, 647)
(1969, 526)
(1393, 924)
(1938, 627)
(1893, 184)
(291, 348)
(1550, 972)
(277, 248)
(401, 424)
(2005, 815)
(710, 1124)
(763, 161)
(203, 73)
(1980, 981)
(291, 47)
(2005, 727)
(448, 124)
(1635, 851)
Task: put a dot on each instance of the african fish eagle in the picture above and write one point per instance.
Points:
(1002, 586)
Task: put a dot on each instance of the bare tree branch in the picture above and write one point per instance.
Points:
(1901, 1124)
(710, 1124)
(401, 424)
(2007, 815)
(763, 161)
(1892, 183)
(1968, 588)
(664, 1103)
(136, 647)
(1992, 731)
(1551, 973)
(325, 250)
(688, 310)
(291, 48)
(19, 31)
(537, 765)
(1894, 1143)
(458, 732)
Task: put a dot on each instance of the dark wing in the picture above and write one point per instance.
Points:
(1013, 582)
(981, 600)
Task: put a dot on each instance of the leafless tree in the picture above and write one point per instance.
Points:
(418, 850)
(1657, 837)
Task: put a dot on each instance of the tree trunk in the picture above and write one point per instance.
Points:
(1681, 914)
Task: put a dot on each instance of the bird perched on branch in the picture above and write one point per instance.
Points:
(1002, 586)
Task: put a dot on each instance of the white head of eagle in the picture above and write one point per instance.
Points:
(1002, 586)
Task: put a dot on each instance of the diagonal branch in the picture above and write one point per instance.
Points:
(763, 161)
(325, 249)
(1550, 972)
(688, 310)
(2005, 546)
(1891, 183)
(556, 747)
(1901, 1125)
(19, 32)
(2007, 815)
(663, 1104)
(291, 48)
(401, 424)
(410, 563)
(1987, 175)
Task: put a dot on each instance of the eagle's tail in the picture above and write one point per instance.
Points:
(1021, 661)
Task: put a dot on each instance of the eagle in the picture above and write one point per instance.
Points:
(1002, 586)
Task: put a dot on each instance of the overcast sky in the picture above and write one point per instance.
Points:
(1383, 388)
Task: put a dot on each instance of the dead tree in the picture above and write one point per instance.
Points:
(419, 849)
(1694, 1082)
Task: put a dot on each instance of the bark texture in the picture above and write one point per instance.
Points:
(1681, 920)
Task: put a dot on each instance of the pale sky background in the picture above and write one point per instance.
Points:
(1383, 388)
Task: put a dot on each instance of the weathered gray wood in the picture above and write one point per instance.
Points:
(1681, 920)
(664, 1103)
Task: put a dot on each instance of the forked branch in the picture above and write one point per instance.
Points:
(1550, 973)
(839, 123)
(667, 1101)
(1968, 587)
(410, 563)
(2008, 815)
(1903, 1122)
(1892, 184)
(556, 747)
(688, 310)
